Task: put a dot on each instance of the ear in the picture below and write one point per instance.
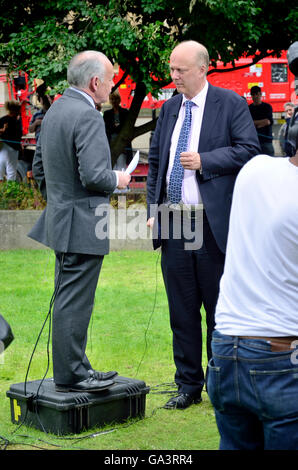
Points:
(203, 69)
(94, 83)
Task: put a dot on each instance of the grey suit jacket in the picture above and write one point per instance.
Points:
(72, 165)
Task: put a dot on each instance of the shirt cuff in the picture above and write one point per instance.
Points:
(117, 178)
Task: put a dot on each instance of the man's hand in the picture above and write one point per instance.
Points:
(35, 124)
(4, 127)
(150, 222)
(190, 160)
(123, 179)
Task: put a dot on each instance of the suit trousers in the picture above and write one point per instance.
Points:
(71, 314)
(191, 278)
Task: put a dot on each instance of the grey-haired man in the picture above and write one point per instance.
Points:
(72, 165)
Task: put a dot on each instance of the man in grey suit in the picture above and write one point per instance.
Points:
(72, 166)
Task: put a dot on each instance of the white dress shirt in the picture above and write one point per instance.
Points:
(190, 188)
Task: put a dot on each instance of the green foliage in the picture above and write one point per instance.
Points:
(15, 195)
(239, 27)
(41, 37)
(46, 44)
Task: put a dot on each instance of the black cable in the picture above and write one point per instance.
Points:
(48, 316)
(4, 442)
(94, 434)
(45, 321)
(150, 317)
(59, 278)
(155, 389)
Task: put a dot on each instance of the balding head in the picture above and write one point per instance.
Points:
(85, 65)
(195, 51)
(189, 63)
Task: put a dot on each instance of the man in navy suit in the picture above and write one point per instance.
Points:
(222, 139)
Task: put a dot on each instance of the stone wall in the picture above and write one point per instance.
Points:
(127, 228)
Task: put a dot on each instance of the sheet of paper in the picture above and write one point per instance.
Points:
(133, 164)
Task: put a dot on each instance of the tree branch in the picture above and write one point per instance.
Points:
(238, 67)
(119, 82)
(148, 126)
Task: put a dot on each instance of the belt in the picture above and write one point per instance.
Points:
(277, 343)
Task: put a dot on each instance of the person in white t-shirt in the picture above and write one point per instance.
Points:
(253, 373)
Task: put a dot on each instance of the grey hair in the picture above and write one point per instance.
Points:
(203, 56)
(84, 66)
(289, 104)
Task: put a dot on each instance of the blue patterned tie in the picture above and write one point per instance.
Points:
(177, 173)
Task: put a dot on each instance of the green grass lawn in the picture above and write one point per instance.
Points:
(129, 332)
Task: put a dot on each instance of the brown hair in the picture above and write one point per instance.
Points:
(14, 106)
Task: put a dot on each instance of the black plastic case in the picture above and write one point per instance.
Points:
(72, 412)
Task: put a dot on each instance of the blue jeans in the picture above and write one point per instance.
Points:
(254, 392)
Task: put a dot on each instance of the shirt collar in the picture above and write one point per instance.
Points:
(88, 97)
(199, 98)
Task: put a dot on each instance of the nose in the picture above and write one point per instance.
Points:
(175, 75)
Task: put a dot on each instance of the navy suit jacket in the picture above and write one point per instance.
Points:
(228, 140)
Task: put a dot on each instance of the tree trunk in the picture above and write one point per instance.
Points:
(129, 131)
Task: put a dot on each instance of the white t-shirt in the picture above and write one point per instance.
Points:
(259, 287)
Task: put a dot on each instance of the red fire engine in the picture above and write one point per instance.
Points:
(271, 74)
(18, 89)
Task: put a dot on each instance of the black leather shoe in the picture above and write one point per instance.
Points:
(182, 401)
(88, 385)
(103, 375)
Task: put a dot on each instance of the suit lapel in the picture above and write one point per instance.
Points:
(211, 112)
(171, 118)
